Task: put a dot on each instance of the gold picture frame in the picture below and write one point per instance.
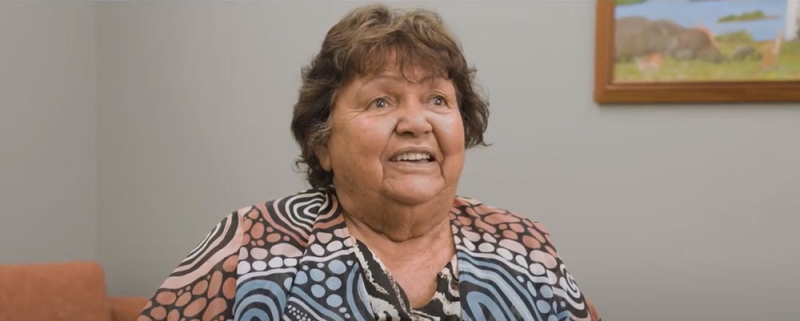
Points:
(611, 89)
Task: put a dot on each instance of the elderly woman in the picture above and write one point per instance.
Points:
(385, 113)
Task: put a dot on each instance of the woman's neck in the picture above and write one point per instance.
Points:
(414, 243)
(402, 241)
(399, 231)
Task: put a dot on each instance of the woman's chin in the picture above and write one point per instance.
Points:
(414, 191)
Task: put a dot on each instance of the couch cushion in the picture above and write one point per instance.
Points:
(127, 308)
(63, 291)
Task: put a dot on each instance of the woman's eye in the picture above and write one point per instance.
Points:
(379, 103)
(439, 101)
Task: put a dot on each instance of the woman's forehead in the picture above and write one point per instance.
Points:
(394, 59)
(410, 74)
(397, 77)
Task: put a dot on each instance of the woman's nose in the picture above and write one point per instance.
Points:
(413, 120)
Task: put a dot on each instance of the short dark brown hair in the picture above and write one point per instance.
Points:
(365, 41)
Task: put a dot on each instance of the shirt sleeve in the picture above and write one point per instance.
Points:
(569, 296)
(203, 285)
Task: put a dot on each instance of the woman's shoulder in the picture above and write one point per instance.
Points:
(306, 202)
(241, 241)
(288, 218)
(499, 235)
(500, 222)
(509, 236)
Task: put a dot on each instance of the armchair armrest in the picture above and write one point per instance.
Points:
(127, 308)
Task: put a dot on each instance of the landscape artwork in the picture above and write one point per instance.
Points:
(706, 41)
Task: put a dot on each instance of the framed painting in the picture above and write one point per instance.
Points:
(696, 51)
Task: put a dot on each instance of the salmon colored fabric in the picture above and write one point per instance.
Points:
(66, 291)
(127, 308)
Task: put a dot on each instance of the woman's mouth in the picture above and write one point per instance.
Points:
(413, 157)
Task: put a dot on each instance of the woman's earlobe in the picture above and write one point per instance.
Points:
(324, 158)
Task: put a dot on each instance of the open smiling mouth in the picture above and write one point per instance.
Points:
(413, 158)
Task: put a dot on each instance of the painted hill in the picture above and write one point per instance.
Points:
(747, 16)
(627, 2)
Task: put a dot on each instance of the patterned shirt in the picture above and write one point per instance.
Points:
(293, 259)
(389, 302)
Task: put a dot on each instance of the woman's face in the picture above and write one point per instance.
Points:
(402, 140)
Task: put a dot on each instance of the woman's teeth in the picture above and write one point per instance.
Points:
(411, 157)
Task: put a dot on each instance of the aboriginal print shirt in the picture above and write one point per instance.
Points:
(293, 259)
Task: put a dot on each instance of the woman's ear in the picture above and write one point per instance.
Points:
(324, 157)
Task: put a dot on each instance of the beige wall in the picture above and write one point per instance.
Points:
(48, 118)
(661, 212)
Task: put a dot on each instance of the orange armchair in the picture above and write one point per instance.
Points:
(62, 291)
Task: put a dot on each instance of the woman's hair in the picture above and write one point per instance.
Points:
(364, 42)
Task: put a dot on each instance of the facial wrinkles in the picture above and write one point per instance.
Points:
(408, 101)
(434, 139)
(439, 131)
(440, 119)
(375, 137)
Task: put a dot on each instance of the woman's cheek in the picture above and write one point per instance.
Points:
(449, 131)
